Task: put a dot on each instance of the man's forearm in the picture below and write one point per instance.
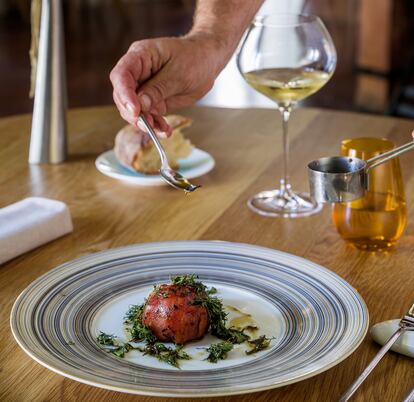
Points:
(224, 21)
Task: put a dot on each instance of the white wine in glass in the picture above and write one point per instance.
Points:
(286, 58)
(287, 85)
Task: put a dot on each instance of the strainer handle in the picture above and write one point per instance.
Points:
(386, 156)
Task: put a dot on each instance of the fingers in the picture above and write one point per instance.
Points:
(161, 127)
(149, 63)
(161, 124)
(125, 114)
(137, 66)
(124, 77)
(160, 108)
(153, 93)
(158, 123)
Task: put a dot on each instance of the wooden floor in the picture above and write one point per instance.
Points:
(96, 36)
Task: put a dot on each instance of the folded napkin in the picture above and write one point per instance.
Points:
(29, 223)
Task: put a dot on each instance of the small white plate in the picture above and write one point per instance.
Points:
(196, 164)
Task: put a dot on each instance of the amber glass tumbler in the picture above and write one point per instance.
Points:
(376, 221)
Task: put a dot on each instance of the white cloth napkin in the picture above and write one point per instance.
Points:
(29, 223)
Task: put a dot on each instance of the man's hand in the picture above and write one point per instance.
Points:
(158, 75)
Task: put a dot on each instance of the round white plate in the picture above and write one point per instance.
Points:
(316, 317)
(194, 165)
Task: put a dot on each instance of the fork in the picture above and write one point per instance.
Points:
(406, 324)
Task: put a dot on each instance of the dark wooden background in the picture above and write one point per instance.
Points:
(373, 40)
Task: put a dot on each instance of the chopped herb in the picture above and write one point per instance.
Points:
(135, 312)
(121, 349)
(162, 352)
(158, 290)
(218, 351)
(235, 336)
(186, 280)
(258, 344)
(212, 291)
(111, 345)
(106, 339)
(136, 329)
(214, 307)
(218, 318)
(165, 353)
(191, 281)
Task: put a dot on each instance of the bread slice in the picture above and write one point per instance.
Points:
(135, 149)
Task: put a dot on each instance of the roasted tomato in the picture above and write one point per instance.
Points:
(172, 316)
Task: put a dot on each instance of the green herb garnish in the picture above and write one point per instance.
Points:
(258, 344)
(218, 351)
(122, 349)
(215, 309)
(191, 281)
(111, 345)
(165, 353)
(106, 339)
(218, 318)
(137, 330)
(212, 291)
(159, 292)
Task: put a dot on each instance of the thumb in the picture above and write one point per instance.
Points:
(157, 90)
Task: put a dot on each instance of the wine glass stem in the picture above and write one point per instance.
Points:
(284, 181)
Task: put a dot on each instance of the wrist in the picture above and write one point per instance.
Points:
(213, 46)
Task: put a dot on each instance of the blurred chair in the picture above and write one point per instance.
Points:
(402, 96)
(384, 60)
(23, 6)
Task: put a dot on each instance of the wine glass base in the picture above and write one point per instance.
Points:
(283, 204)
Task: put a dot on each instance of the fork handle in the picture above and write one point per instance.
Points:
(355, 385)
(151, 133)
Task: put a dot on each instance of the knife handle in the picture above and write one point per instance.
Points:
(409, 397)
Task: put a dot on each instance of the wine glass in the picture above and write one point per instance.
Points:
(286, 57)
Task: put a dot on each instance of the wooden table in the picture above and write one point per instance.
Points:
(247, 147)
